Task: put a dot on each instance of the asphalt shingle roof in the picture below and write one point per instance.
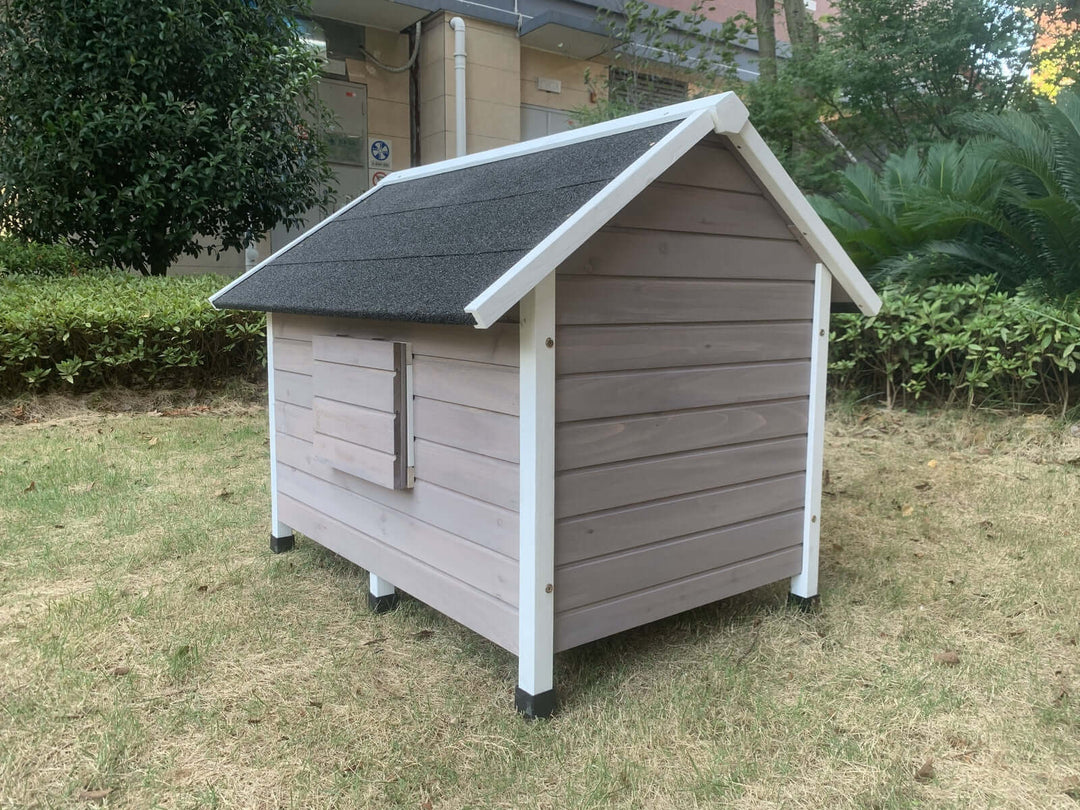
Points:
(422, 249)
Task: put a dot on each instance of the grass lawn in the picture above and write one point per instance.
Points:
(153, 653)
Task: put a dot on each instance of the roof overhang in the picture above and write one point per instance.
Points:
(386, 14)
(567, 34)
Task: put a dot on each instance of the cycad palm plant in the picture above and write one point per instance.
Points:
(882, 219)
(1035, 223)
(1006, 203)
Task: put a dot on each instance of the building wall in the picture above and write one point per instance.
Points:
(492, 93)
(387, 93)
(683, 346)
(451, 540)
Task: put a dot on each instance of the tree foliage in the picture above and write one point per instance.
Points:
(651, 44)
(904, 70)
(130, 126)
(886, 75)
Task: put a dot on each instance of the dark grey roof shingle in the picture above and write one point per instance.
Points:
(421, 250)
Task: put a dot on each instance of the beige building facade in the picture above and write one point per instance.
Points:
(524, 77)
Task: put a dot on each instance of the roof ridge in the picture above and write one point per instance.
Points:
(616, 126)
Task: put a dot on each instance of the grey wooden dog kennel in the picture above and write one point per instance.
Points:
(563, 388)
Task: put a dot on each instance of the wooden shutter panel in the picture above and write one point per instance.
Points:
(362, 401)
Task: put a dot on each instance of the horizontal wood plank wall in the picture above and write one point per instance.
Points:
(683, 345)
(451, 540)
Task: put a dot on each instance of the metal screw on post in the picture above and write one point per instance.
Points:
(549, 343)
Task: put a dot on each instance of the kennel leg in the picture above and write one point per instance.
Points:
(382, 596)
(281, 538)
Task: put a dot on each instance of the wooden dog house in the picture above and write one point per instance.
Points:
(563, 388)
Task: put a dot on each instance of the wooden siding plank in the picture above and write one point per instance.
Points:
(487, 479)
(642, 300)
(579, 444)
(350, 351)
(491, 526)
(294, 421)
(293, 388)
(362, 426)
(596, 488)
(491, 618)
(470, 562)
(599, 620)
(292, 355)
(638, 392)
(478, 385)
(478, 431)
(610, 532)
(701, 210)
(626, 348)
(365, 387)
(631, 252)
(497, 344)
(711, 166)
(644, 567)
(371, 465)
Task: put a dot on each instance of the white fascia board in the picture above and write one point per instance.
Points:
(779, 184)
(725, 112)
(317, 226)
(559, 139)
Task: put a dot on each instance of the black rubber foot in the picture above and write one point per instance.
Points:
(279, 545)
(535, 706)
(382, 604)
(806, 604)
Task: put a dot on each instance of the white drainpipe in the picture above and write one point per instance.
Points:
(458, 25)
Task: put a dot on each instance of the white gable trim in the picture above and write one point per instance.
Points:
(724, 114)
(513, 285)
(753, 149)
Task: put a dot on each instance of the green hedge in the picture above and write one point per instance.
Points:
(960, 343)
(31, 258)
(102, 328)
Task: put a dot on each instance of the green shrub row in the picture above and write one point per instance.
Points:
(964, 343)
(30, 258)
(108, 328)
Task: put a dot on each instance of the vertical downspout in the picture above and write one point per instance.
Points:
(458, 25)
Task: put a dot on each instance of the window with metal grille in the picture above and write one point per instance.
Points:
(644, 91)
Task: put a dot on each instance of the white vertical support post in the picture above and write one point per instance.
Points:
(281, 536)
(382, 596)
(804, 586)
(535, 694)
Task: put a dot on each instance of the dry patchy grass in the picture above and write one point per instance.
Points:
(151, 646)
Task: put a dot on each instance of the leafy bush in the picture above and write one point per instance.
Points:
(104, 329)
(18, 256)
(966, 342)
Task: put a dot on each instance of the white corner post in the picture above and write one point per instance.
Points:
(804, 586)
(535, 694)
(281, 536)
(458, 25)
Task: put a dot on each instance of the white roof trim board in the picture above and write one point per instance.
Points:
(723, 114)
